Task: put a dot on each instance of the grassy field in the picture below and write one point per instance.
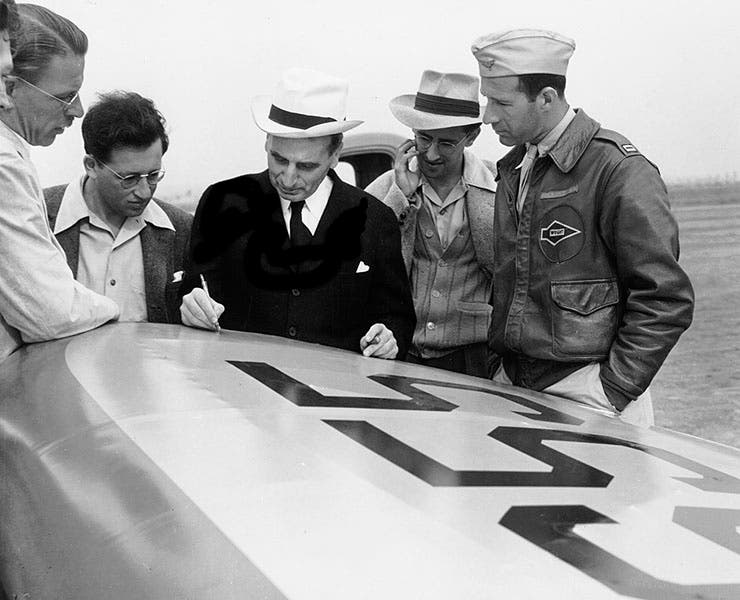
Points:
(698, 389)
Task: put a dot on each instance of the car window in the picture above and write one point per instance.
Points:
(346, 172)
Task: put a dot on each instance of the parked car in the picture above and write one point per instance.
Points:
(367, 155)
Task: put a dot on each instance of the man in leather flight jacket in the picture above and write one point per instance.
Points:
(588, 297)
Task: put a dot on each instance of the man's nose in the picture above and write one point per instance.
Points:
(432, 153)
(489, 115)
(289, 176)
(143, 189)
(76, 110)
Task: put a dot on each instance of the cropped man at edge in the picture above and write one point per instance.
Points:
(444, 206)
(588, 296)
(294, 251)
(119, 240)
(39, 298)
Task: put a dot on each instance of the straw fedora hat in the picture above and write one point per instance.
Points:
(305, 104)
(443, 100)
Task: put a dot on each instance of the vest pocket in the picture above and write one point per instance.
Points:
(584, 317)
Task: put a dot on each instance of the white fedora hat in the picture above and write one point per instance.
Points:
(443, 100)
(306, 104)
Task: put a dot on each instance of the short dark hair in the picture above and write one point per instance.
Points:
(41, 35)
(533, 83)
(334, 141)
(122, 120)
(8, 16)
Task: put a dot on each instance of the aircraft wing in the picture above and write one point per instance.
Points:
(155, 461)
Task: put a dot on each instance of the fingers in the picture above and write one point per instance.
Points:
(371, 337)
(379, 342)
(406, 179)
(404, 154)
(199, 310)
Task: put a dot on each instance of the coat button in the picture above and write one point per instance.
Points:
(428, 233)
(431, 326)
(436, 293)
(113, 282)
(296, 292)
(292, 331)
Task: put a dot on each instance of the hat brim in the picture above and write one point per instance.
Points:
(260, 113)
(403, 109)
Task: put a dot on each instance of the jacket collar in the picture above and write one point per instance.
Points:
(476, 174)
(567, 151)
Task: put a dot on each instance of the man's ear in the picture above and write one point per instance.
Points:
(549, 96)
(335, 156)
(89, 164)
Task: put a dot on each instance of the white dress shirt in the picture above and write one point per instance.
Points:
(314, 208)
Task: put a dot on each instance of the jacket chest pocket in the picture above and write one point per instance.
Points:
(584, 317)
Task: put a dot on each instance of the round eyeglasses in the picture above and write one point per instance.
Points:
(131, 181)
(424, 142)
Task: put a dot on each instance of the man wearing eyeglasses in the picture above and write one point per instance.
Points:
(442, 195)
(120, 242)
(39, 298)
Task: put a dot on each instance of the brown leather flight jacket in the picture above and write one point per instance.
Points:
(589, 271)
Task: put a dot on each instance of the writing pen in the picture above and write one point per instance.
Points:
(204, 285)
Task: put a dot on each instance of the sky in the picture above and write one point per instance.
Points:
(664, 73)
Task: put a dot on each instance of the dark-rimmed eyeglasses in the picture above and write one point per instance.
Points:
(424, 142)
(67, 101)
(131, 181)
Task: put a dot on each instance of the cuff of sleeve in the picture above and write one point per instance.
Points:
(616, 396)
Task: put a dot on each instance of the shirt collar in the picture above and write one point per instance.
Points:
(316, 202)
(73, 209)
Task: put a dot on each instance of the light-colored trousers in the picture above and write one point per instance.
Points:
(584, 386)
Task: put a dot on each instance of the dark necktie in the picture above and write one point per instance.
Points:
(299, 233)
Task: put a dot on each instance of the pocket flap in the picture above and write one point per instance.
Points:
(558, 193)
(474, 308)
(585, 297)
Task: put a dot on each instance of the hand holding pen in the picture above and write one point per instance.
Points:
(213, 303)
(199, 309)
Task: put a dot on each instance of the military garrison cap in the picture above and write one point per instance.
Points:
(522, 52)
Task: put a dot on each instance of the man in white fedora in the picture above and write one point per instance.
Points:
(294, 251)
(443, 198)
(588, 296)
